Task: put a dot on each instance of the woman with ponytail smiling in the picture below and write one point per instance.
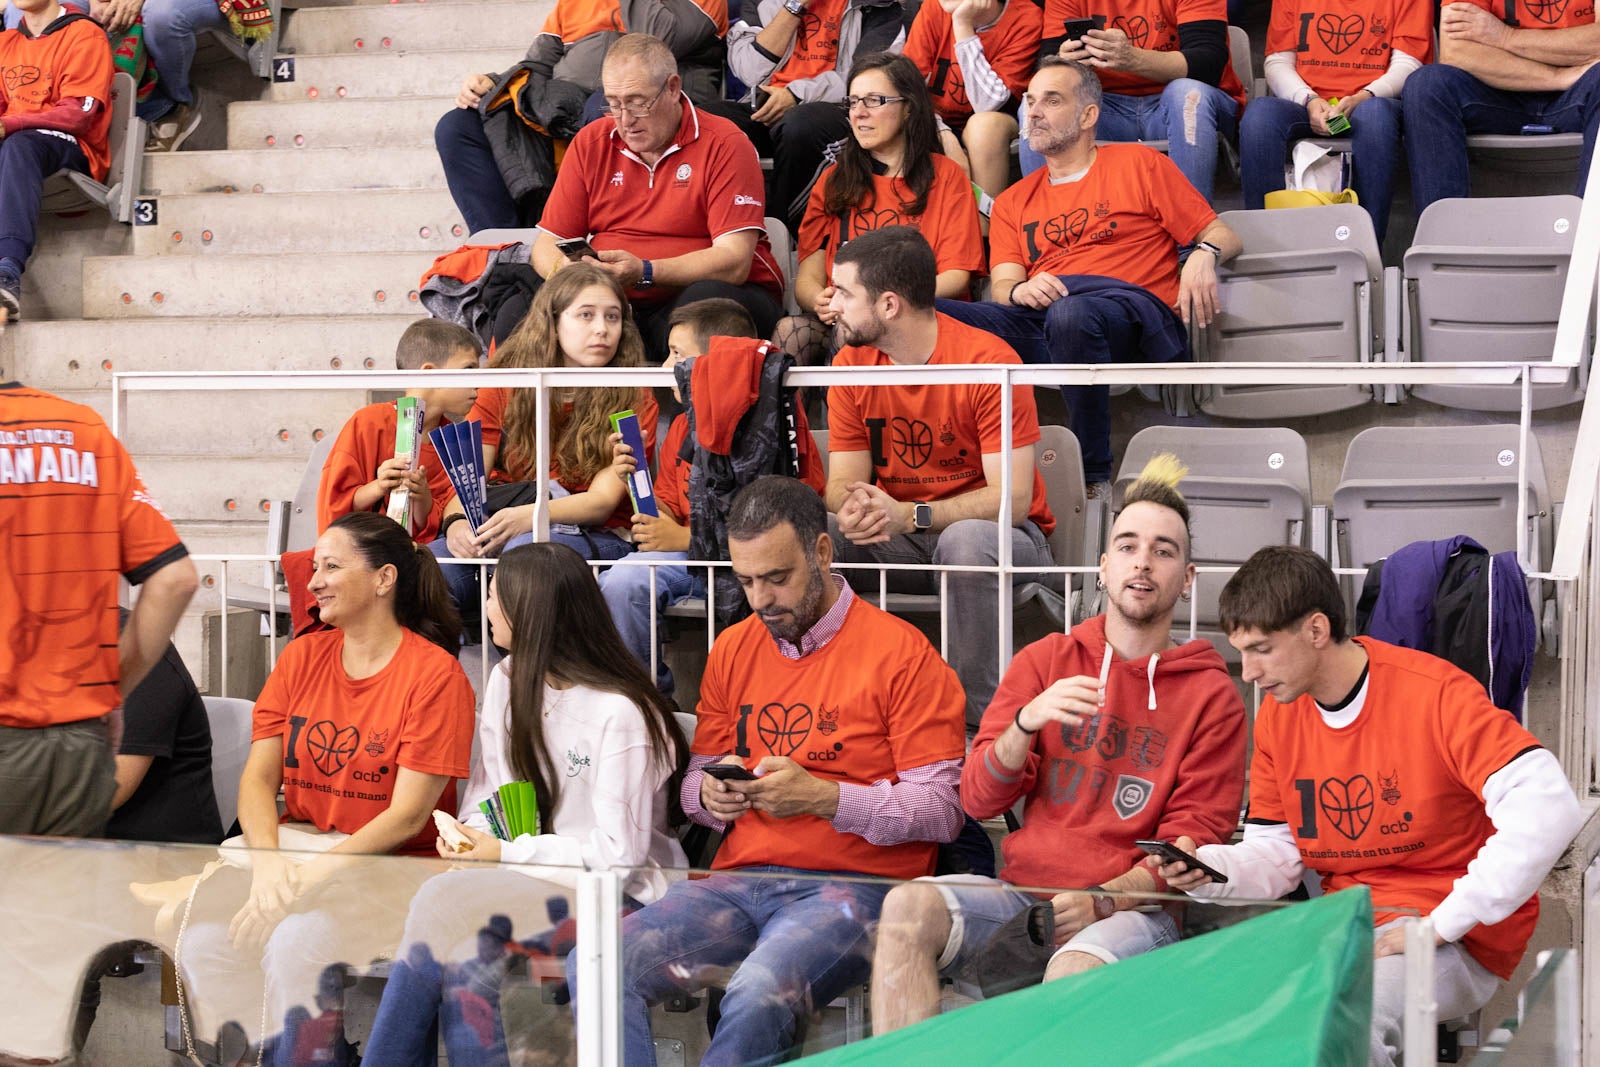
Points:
(365, 726)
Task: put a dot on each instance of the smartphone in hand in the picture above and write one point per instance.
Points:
(730, 772)
(1170, 853)
(577, 248)
(1076, 28)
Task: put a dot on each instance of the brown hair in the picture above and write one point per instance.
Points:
(433, 341)
(1158, 484)
(1279, 586)
(421, 598)
(561, 631)
(850, 185)
(580, 441)
(716, 316)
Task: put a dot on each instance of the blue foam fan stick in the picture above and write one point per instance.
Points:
(640, 488)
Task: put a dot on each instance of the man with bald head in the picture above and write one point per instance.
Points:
(671, 198)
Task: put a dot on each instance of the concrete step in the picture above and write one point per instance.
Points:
(413, 27)
(82, 356)
(233, 429)
(200, 489)
(406, 123)
(136, 287)
(306, 171)
(388, 75)
(389, 220)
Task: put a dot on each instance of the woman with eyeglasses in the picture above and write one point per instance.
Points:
(890, 171)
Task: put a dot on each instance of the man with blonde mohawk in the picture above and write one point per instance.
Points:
(1110, 734)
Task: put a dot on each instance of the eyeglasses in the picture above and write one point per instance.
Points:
(872, 101)
(632, 111)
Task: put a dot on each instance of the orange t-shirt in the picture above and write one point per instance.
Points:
(1150, 24)
(1123, 219)
(950, 222)
(573, 20)
(842, 716)
(1538, 15)
(707, 184)
(1011, 46)
(363, 444)
(74, 516)
(1340, 47)
(816, 43)
(1394, 801)
(70, 60)
(345, 740)
(671, 483)
(937, 434)
(490, 409)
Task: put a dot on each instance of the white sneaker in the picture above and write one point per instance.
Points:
(169, 133)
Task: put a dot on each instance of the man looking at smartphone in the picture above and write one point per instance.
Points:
(1384, 767)
(1166, 73)
(1107, 735)
(670, 198)
(852, 725)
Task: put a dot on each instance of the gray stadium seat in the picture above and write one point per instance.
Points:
(504, 237)
(1484, 279)
(229, 718)
(1424, 483)
(783, 251)
(1524, 165)
(291, 526)
(69, 190)
(1308, 288)
(1247, 488)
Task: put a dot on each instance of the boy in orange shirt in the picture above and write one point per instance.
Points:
(666, 536)
(1384, 767)
(55, 114)
(362, 469)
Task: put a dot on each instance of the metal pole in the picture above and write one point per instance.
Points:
(1422, 1011)
(599, 949)
(1003, 556)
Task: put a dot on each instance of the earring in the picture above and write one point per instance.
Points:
(1099, 583)
(1184, 596)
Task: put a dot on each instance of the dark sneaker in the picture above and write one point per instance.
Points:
(167, 134)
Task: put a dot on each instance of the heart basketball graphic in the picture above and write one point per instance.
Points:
(1064, 229)
(1347, 804)
(331, 747)
(1548, 12)
(1339, 34)
(874, 220)
(1137, 28)
(912, 441)
(17, 77)
(783, 729)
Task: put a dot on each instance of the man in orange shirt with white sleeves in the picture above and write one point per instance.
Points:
(1506, 68)
(1384, 767)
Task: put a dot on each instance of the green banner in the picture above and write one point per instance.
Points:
(1292, 987)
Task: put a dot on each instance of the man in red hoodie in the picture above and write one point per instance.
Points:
(1108, 735)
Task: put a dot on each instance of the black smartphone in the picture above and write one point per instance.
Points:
(730, 772)
(761, 98)
(1172, 854)
(577, 248)
(1076, 28)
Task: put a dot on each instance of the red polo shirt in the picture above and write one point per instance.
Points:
(708, 183)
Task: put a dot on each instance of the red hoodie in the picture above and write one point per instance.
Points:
(1163, 759)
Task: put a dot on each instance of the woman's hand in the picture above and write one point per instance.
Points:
(274, 886)
(485, 847)
(501, 527)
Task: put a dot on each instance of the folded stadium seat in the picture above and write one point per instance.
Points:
(291, 527)
(262, 56)
(503, 237)
(1524, 163)
(229, 718)
(1427, 483)
(1483, 282)
(784, 252)
(70, 190)
(1308, 288)
(1247, 488)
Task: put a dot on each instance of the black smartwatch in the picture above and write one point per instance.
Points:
(922, 516)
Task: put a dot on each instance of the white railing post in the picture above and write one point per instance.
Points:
(1422, 1010)
(599, 949)
(1007, 522)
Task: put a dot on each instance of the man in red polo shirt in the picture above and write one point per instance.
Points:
(670, 197)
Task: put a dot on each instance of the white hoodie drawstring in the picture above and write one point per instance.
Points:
(1150, 675)
(1105, 674)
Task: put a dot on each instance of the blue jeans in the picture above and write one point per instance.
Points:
(27, 158)
(1160, 116)
(1078, 328)
(797, 942)
(170, 28)
(471, 173)
(1271, 123)
(627, 593)
(462, 580)
(1444, 104)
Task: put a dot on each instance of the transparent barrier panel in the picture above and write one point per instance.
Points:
(1545, 1031)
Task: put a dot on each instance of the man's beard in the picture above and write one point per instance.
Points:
(1057, 142)
(791, 627)
(860, 335)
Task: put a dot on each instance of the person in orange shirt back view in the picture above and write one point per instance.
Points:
(1388, 768)
(55, 114)
(1083, 255)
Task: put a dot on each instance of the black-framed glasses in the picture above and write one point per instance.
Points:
(632, 111)
(871, 101)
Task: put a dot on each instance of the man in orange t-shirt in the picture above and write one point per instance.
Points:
(1166, 71)
(55, 113)
(914, 471)
(1388, 768)
(74, 518)
(856, 760)
(1504, 67)
(1083, 254)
